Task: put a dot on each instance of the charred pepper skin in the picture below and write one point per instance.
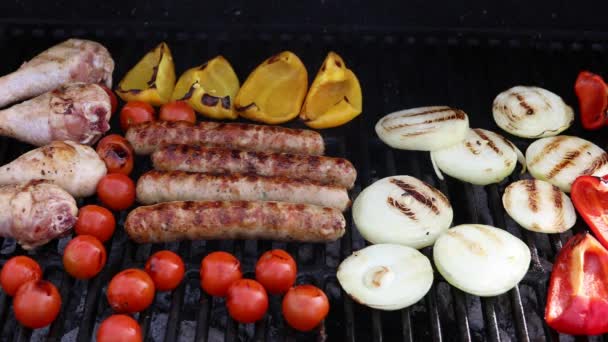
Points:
(577, 301)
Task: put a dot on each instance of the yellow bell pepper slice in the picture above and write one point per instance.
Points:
(334, 97)
(273, 93)
(209, 89)
(151, 80)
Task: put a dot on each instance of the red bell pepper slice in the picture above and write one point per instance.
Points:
(592, 93)
(590, 198)
(577, 302)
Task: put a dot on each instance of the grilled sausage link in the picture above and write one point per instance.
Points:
(160, 186)
(149, 136)
(211, 220)
(324, 170)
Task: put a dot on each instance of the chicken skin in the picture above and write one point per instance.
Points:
(74, 167)
(74, 60)
(35, 212)
(79, 112)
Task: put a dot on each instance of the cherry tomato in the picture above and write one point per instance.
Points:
(119, 328)
(17, 271)
(177, 111)
(135, 112)
(113, 99)
(304, 307)
(130, 291)
(97, 221)
(218, 271)
(276, 271)
(166, 270)
(84, 257)
(116, 191)
(247, 301)
(117, 153)
(37, 304)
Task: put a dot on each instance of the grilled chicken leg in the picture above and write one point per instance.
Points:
(74, 60)
(77, 111)
(35, 212)
(74, 167)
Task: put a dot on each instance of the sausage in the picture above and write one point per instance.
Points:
(212, 220)
(161, 186)
(147, 137)
(324, 170)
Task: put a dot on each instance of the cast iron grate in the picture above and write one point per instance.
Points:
(396, 70)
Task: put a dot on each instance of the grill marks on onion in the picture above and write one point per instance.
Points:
(483, 157)
(424, 128)
(531, 112)
(403, 210)
(539, 206)
(560, 160)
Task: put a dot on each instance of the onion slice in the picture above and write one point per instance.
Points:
(423, 128)
(539, 206)
(402, 210)
(481, 260)
(482, 158)
(386, 276)
(531, 112)
(560, 160)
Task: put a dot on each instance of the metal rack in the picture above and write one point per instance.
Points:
(396, 70)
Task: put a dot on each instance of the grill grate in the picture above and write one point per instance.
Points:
(398, 70)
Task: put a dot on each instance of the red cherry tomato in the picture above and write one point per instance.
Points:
(130, 291)
(116, 191)
(113, 99)
(84, 257)
(17, 271)
(135, 112)
(304, 307)
(117, 153)
(276, 271)
(96, 221)
(119, 328)
(177, 111)
(247, 301)
(37, 304)
(218, 271)
(166, 270)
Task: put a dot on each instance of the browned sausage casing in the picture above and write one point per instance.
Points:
(211, 220)
(149, 136)
(325, 170)
(161, 186)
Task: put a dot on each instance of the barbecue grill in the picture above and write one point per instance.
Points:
(398, 68)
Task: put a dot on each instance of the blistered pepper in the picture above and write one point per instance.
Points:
(334, 97)
(151, 80)
(592, 93)
(210, 89)
(273, 93)
(590, 198)
(577, 302)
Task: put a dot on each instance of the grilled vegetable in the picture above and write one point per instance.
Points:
(334, 97)
(560, 160)
(136, 112)
(273, 93)
(531, 112)
(539, 206)
(209, 89)
(592, 93)
(386, 276)
(402, 210)
(36, 304)
(482, 158)
(151, 80)
(576, 303)
(177, 111)
(481, 260)
(17, 271)
(304, 307)
(424, 128)
(590, 197)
